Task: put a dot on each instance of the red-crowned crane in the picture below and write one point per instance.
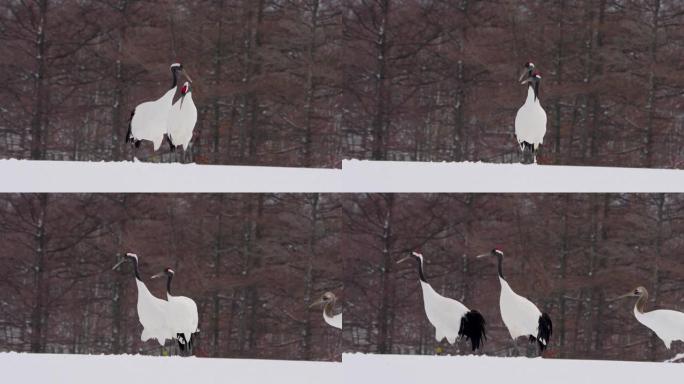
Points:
(152, 311)
(667, 324)
(182, 313)
(450, 318)
(521, 316)
(530, 121)
(182, 119)
(328, 301)
(149, 120)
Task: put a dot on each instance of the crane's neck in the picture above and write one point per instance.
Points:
(641, 302)
(421, 273)
(169, 276)
(328, 308)
(532, 91)
(174, 73)
(499, 259)
(135, 268)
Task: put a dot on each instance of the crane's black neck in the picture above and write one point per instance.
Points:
(536, 89)
(499, 258)
(420, 269)
(169, 276)
(174, 72)
(135, 268)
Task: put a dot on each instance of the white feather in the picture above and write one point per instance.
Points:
(335, 320)
(443, 313)
(666, 323)
(183, 317)
(150, 119)
(530, 121)
(152, 314)
(520, 315)
(181, 122)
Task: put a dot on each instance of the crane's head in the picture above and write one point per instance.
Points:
(527, 70)
(177, 68)
(533, 80)
(132, 257)
(413, 255)
(185, 89)
(166, 272)
(325, 298)
(636, 292)
(497, 252)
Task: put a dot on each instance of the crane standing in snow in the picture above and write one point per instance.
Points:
(182, 314)
(530, 121)
(521, 316)
(182, 119)
(666, 323)
(149, 120)
(328, 301)
(450, 318)
(152, 311)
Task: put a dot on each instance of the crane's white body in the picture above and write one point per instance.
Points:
(182, 119)
(530, 122)
(335, 320)
(520, 315)
(153, 315)
(182, 313)
(150, 119)
(666, 323)
(443, 313)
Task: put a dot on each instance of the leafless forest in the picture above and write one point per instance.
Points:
(253, 264)
(265, 77)
(569, 254)
(309, 82)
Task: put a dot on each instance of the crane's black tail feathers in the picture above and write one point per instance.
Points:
(129, 134)
(543, 332)
(473, 328)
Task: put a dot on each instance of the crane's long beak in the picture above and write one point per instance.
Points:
(522, 75)
(160, 274)
(404, 259)
(482, 255)
(525, 81)
(315, 303)
(117, 264)
(186, 75)
(629, 294)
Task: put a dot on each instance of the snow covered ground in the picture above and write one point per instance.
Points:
(355, 176)
(118, 369)
(403, 176)
(125, 176)
(400, 369)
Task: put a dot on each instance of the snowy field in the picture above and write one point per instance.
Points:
(110, 369)
(400, 369)
(125, 176)
(355, 176)
(402, 176)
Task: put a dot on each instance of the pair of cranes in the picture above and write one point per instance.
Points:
(530, 121)
(152, 120)
(173, 318)
(453, 320)
(521, 317)
(177, 316)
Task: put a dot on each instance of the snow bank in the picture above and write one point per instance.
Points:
(117, 369)
(355, 176)
(403, 176)
(125, 176)
(399, 369)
